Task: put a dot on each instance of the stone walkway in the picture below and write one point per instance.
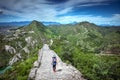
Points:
(42, 69)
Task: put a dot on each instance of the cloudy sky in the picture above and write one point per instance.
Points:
(63, 11)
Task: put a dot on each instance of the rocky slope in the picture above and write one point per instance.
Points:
(20, 42)
(42, 69)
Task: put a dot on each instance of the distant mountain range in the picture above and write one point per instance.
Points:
(24, 23)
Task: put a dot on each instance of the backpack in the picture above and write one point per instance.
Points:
(54, 60)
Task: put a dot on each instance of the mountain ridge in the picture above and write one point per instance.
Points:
(73, 43)
(42, 68)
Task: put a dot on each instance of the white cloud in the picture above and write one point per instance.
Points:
(85, 2)
(28, 7)
(40, 10)
(64, 11)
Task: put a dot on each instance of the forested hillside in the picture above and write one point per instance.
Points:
(92, 49)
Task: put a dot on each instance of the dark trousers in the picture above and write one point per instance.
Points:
(54, 68)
